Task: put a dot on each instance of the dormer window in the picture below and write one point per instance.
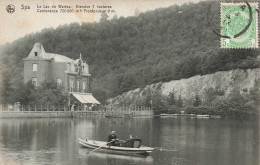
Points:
(35, 54)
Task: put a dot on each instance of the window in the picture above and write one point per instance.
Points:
(72, 67)
(35, 54)
(87, 83)
(35, 67)
(78, 85)
(86, 69)
(59, 81)
(68, 67)
(83, 86)
(71, 85)
(34, 82)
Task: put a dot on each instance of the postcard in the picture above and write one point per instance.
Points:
(120, 82)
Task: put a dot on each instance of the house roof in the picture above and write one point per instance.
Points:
(58, 57)
(39, 49)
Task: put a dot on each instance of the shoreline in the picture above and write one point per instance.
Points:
(68, 114)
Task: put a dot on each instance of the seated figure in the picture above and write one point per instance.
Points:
(112, 138)
(133, 143)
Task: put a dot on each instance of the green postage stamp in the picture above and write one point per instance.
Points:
(239, 25)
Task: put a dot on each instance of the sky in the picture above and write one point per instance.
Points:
(22, 22)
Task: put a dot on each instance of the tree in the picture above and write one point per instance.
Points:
(137, 12)
(148, 99)
(210, 95)
(103, 17)
(179, 102)
(196, 101)
(171, 98)
(115, 17)
(49, 93)
(27, 94)
(158, 100)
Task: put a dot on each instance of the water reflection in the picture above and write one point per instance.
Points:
(95, 158)
(184, 141)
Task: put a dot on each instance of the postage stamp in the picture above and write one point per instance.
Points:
(239, 25)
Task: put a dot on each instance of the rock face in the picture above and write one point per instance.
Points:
(222, 82)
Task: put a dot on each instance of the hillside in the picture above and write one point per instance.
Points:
(126, 53)
(220, 85)
(233, 93)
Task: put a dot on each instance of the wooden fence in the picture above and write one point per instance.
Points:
(19, 107)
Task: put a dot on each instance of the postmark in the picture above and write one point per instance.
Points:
(239, 25)
(10, 8)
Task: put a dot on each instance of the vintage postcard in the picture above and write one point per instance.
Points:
(123, 82)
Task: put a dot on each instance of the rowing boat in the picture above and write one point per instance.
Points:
(102, 146)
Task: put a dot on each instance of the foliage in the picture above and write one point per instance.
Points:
(171, 98)
(201, 110)
(158, 100)
(47, 94)
(197, 101)
(103, 17)
(179, 102)
(235, 105)
(173, 109)
(241, 106)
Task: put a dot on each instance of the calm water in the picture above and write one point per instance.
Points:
(185, 141)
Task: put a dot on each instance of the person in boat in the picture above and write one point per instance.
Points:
(130, 142)
(131, 136)
(133, 142)
(112, 138)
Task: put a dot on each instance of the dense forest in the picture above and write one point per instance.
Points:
(126, 53)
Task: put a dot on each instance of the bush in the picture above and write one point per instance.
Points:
(172, 109)
(47, 93)
(236, 110)
(200, 110)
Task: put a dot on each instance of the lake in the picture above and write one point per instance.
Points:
(179, 141)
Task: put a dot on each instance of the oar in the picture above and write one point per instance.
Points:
(100, 147)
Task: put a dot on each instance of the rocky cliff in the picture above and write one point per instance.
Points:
(221, 83)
